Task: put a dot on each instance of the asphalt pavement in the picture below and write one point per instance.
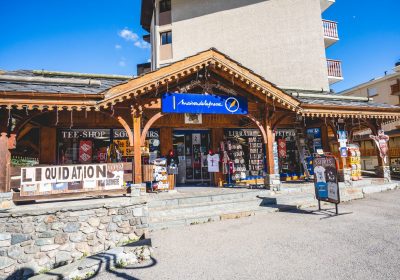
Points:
(361, 243)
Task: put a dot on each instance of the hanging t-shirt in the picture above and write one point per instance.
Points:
(213, 163)
(320, 174)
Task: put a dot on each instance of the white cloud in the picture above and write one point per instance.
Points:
(118, 47)
(130, 36)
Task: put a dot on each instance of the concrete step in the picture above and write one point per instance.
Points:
(207, 210)
(207, 198)
(201, 218)
(209, 206)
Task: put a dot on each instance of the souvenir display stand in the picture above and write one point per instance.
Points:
(354, 162)
(160, 175)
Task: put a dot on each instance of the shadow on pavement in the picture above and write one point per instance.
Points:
(272, 203)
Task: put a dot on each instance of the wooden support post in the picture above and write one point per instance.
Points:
(137, 153)
(272, 179)
(4, 158)
(325, 138)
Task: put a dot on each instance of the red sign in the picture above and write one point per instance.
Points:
(282, 148)
(85, 151)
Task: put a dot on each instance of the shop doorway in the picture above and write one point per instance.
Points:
(191, 147)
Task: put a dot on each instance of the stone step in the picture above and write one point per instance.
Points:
(209, 206)
(211, 217)
(193, 200)
(208, 209)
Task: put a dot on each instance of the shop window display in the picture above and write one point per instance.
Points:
(289, 160)
(82, 146)
(242, 154)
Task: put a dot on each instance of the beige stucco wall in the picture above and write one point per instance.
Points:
(383, 88)
(281, 40)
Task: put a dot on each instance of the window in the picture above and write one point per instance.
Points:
(372, 92)
(165, 6)
(166, 38)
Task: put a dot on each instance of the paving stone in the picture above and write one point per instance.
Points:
(18, 238)
(5, 262)
(47, 234)
(44, 241)
(31, 249)
(50, 219)
(72, 227)
(62, 257)
(5, 236)
(77, 237)
(94, 222)
(112, 227)
(137, 212)
(61, 238)
(47, 248)
(15, 252)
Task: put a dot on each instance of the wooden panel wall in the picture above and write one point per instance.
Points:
(48, 148)
(166, 140)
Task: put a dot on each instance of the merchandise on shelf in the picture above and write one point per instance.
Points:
(354, 156)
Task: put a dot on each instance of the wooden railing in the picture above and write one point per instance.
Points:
(334, 68)
(330, 29)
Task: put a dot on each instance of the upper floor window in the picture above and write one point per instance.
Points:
(372, 92)
(165, 6)
(166, 38)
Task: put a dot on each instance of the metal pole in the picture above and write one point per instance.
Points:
(319, 205)
(337, 210)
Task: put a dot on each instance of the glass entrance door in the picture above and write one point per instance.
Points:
(192, 147)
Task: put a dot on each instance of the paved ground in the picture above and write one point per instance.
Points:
(364, 243)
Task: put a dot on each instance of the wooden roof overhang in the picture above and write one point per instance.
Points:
(324, 111)
(49, 101)
(211, 60)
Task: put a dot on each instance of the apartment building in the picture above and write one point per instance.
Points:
(385, 89)
(282, 40)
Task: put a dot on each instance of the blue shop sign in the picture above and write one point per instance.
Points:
(203, 104)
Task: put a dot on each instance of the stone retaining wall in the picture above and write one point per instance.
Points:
(37, 238)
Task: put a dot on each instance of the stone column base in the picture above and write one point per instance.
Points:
(6, 201)
(384, 172)
(273, 182)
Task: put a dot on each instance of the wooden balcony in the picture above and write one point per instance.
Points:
(331, 34)
(334, 71)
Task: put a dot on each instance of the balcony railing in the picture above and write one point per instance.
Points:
(330, 29)
(334, 68)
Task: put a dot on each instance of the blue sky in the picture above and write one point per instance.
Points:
(104, 36)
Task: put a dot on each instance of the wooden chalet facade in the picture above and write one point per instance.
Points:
(134, 105)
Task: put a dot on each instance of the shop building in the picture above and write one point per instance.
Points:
(203, 105)
(384, 89)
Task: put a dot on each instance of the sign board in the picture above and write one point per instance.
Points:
(46, 180)
(203, 104)
(326, 179)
